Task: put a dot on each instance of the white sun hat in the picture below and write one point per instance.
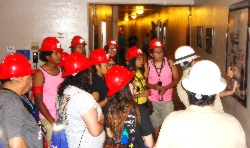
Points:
(184, 53)
(204, 78)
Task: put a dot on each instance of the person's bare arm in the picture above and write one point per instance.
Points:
(103, 102)
(109, 133)
(94, 126)
(146, 69)
(17, 142)
(96, 96)
(149, 141)
(229, 92)
(38, 80)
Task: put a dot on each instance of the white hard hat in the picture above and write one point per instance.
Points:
(205, 79)
(184, 53)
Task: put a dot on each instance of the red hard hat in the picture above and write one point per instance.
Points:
(50, 44)
(116, 78)
(99, 56)
(75, 62)
(64, 55)
(120, 32)
(155, 43)
(15, 65)
(112, 42)
(77, 40)
(134, 52)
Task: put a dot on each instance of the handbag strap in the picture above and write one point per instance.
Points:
(124, 118)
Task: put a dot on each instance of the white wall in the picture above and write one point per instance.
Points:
(26, 21)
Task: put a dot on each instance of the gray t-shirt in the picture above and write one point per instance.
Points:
(16, 121)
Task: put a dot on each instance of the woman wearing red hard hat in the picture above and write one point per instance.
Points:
(100, 59)
(126, 122)
(112, 49)
(78, 45)
(136, 64)
(46, 80)
(78, 110)
(17, 123)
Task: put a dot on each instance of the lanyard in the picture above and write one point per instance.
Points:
(158, 73)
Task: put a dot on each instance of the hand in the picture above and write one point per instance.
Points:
(163, 89)
(230, 73)
(145, 93)
(157, 87)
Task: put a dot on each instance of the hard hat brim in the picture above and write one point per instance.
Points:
(186, 59)
(216, 88)
(140, 54)
(78, 44)
(113, 91)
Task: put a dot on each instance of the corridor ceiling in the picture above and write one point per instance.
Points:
(148, 10)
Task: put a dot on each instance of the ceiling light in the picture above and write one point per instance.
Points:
(139, 9)
(133, 16)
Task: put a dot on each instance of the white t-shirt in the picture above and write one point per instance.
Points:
(78, 104)
(201, 127)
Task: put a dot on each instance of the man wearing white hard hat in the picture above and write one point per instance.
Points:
(186, 57)
(200, 125)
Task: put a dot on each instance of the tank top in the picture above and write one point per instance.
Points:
(140, 83)
(50, 91)
(165, 78)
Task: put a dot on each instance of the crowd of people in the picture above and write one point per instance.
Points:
(110, 100)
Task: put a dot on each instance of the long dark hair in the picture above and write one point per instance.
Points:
(131, 66)
(116, 105)
(81, 80)
(205, 100)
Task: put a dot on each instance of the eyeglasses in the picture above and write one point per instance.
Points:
(112, 48)
(158, 52)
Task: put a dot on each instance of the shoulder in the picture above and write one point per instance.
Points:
(171, 62)
(38, 76)
(78, 94)
(9, 96)
(38, 72)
